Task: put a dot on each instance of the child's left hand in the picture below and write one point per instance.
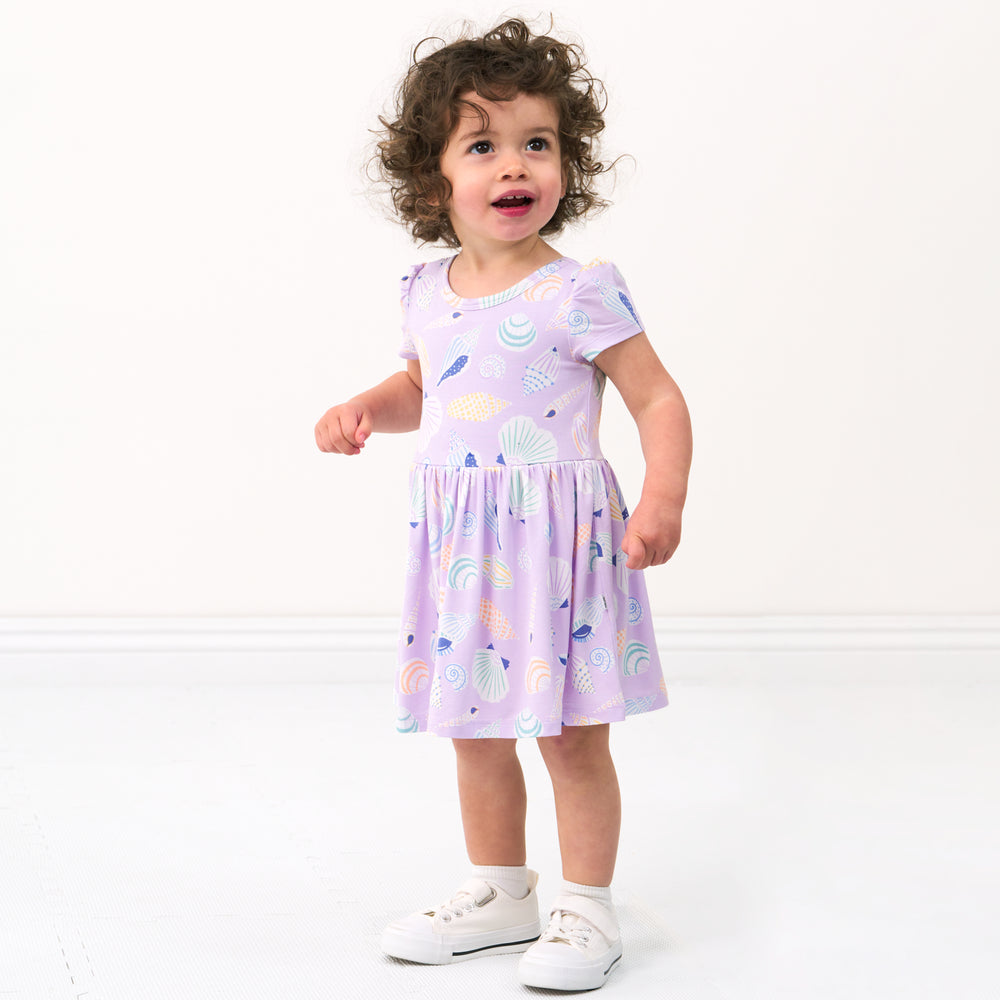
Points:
(652, 535)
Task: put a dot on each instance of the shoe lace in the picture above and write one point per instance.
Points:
(569, 928)
(463, 902)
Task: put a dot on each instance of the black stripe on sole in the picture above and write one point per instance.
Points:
(490, 947)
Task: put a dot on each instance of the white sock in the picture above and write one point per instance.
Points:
(513, 881)
(601, 893)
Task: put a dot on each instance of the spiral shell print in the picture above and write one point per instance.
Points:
(602, 659)
(578, 322)
(456, 676)
(492, 366)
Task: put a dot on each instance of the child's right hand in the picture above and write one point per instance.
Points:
(344, 428)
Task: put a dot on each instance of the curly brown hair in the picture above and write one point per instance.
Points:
(504, 62)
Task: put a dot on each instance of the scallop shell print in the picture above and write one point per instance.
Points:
(489, 674)
(524, 498)
(516, 332)
(475, 406)
(541, 373)
(560, 583)
(430, 421)
(523, 442)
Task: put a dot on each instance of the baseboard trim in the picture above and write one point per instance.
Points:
(262, 650)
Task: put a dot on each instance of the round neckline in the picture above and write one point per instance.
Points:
(502, 296)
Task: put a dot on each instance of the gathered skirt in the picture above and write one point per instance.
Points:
(520, 615)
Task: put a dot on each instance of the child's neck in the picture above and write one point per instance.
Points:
(474, 273)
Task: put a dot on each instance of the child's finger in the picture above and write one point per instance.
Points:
(364, 429)
(634, 547)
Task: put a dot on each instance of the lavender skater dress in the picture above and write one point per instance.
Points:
(520, 615)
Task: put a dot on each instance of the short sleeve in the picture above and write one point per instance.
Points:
(601, 313)
(407, 349)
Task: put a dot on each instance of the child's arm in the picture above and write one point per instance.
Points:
(392, 406)
(659, 410)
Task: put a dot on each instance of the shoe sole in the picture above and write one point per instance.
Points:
(513, 941)
(546, 976)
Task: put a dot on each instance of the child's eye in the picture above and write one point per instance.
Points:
(481, 147)
(538, 144)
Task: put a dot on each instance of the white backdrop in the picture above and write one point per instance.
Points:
(192, 273)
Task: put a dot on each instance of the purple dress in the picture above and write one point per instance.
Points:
(520, 615)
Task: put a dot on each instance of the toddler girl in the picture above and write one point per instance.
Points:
(525, 612)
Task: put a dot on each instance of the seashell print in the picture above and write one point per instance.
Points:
(620, 643)
(547, 288)
(491, 516)
(413, 676)
(491, 731)
(492, 366)
(527, 724)
(636, 706)
(634, 611)
(430, 421)
(583, 538)
(461, 720)
(458, 353)
(498, 573)
(560, 583)
(523, 442)
(425, 292)
(600, 550)
(602, 659)
(462, 573)
(591, 353)
(469, 523)
(433, 539)
(406, 723)
(418, 501)
(412, 563)
(558, 686)
(588, 618)
(560, 404)
(575, 719)
(524, 559)
(578, 322)
(489, 674)
(455, 627)
(580, 676)
(581, 435)
(495, 620)
(516, 332)
(541, 373)
(617, 301)
(435, 695)
(475, 406)
(538, 677)
(460, 455)
(615, 506)
(615, 702)
(449, 319)
(622, 571)
(524, 498)
(636, 659)
(456, 676)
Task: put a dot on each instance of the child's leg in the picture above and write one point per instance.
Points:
(588, 801)
(493, 799)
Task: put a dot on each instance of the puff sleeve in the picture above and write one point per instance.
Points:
(408, 348)
(601, 313)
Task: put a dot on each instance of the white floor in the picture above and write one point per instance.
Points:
(828, 829)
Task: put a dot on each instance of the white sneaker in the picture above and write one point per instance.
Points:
(480, 919)
(578, 950)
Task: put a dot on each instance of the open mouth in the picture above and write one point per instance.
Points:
(513, 201)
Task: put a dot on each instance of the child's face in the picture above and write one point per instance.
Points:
(519, 156)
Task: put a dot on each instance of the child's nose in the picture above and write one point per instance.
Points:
(514, 167)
